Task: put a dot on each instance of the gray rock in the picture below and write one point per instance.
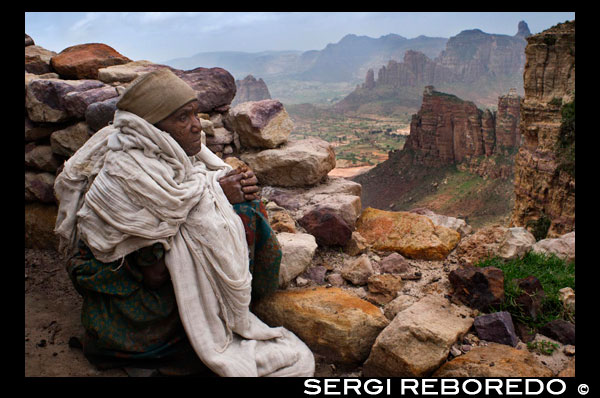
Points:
(563, 246)
(497, 327)
(39, 187)
(560, 330)
(418, 340)
(358, 271)
(260, 124)
(67, 141)
(44, 98)
(294, 164)
(99, 114)
(395, 263)
(297, 253)
(77, 102)
(42, 158)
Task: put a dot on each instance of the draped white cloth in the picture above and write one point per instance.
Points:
(132, 185)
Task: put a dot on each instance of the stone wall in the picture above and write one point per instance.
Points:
(542, 188)
(73, 94)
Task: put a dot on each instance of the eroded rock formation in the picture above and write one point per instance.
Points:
(449, 130)
(544, 165)
(250, 89)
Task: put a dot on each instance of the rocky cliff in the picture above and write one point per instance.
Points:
(475, 65)
(250, 89)
(473, 54)
(448, 129)
(545, 163)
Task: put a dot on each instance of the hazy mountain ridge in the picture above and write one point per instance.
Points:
(347, 60)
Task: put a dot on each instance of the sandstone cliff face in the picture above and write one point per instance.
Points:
(449, 130)
(250, 89)
(417, 69)
(472, 54)
(542, 187)
(475, 65)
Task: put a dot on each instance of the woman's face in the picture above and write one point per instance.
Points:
(184, 126)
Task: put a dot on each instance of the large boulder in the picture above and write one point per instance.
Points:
(44, 98)
(41, 157)
(77, 102)
(331, 321)
(37, 60)
(260, 124)
(297, 254)
(67, 141)
(83, 61)
(125, 73)
(339, 195)
(418, 340)
(412, 235)
(327, 226)
(481, 245)
(215, 87)
(294, 164)
(563, 246)
(454, 223)
(100, 114)
(516, 242)
(494, 360)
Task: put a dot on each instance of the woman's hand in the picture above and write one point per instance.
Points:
(239, 185)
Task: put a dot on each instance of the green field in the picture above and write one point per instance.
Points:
(357, 140)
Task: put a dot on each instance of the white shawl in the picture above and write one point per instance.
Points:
(132, 185)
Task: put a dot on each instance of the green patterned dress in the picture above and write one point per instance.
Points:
(125, 319)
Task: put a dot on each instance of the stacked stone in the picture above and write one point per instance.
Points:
(306, 207)
(58, 90)
(71, 95)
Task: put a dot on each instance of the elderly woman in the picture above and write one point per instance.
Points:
(168, 244)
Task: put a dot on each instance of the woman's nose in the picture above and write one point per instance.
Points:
(196, 123)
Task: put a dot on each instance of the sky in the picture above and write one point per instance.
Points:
(161, 36)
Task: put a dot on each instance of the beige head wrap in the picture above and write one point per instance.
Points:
(156, 95)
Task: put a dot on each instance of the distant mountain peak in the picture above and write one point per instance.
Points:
(523, 30)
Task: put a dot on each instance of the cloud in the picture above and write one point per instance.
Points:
(152, 17)
(87, 21)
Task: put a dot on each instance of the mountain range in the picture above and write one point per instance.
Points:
(345, 61)
(478, 66)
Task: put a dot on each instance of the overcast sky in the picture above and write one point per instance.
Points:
(161, 36)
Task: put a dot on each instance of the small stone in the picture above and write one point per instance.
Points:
(569, 350)
(300, 281)
(455, 351)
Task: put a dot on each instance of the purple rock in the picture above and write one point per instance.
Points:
(560, 330)
(328, 227)
(497, 327)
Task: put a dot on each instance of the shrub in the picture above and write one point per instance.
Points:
(553, 273)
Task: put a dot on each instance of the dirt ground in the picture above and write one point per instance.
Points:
(52, 318)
